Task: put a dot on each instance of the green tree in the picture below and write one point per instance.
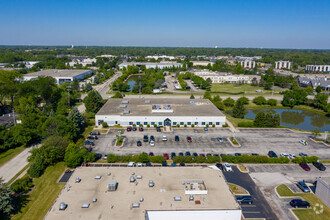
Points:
(244, 100)
(229, 102)
(239, 110)
(88, 87)
(63, 106)
(272, 102)
(93, 102)
(111, 158)
(260, 119)
(309, 90)
(260, 100)
(268, 86)
(117, 95)
(321, 101)
(296, 96)
(192, 96)
(318, 89)
(77, 120)
(143, 158)
(59, 126)
(9, 84)
(207, 95)
(37, 167)
(6, 200)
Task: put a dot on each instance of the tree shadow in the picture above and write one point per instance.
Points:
(20, 202)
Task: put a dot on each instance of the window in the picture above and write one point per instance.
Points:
(138, 123)
(174, 123)
(217, 123)
(181, 123)
(203, 123)
(160, 123)
(152, 123)
(189, 123)
(131, 123)
(196, 123)
(210, 123)
(145, 123)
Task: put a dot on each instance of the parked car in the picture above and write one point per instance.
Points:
(164, 164)
(151, 154)
(145, 138)
(284, 155)
(228, 167)
(238, 154)
(302, 154)
(164, 138)
(148, 164)
(189, 139)
(158, 129)
(220, 139)
(152, 143)
(173, 164)
(87, 142)
(92, 137)
(298, 203)
(319, 166)
(272, 154)
(182, 165)
(303, 142)
(139, 143)
(202, 155)
(206, 128)
(255, 154)
(188, 153)
(152, 138)
(292, 156)
(139, 164)
(165, 155)
(244, 199)
(129, 129)
(219, 165)
(134, 128)
(173, 155)
(131, 164)
(303, 187)
(105, 156)
(195, 154)
(95, 133)
(180, 154)
(176, 138)
(305, 166)
(216, 155)
(140, 128)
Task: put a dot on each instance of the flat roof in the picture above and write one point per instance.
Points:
(180, 107)
(118, 204)
(151, 63)
(57, 73)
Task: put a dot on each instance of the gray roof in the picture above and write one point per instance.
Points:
(58, 73)
(180, 107)
(323, 82)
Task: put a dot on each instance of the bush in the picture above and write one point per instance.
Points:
(111, 158)
(192, 125)
(157, 159)
(260, 100)
(155, 125)
(37, 168)
(308, 159)
(272, 102)
(207, 125)
(143, 158)
(105, 124)
(148, 125)
(134, 125)
(177, 125)
(125, 158)
(185, 125)
(225, 125)
(244, 100)
(229, 102)
(140, 125)
(246, 124)
(21, 185)
(253, 159)
(213, 126)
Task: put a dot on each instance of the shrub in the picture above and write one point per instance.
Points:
(253, 159)
(155, 125)
(125, 158)
(143, 158)
(225, 125)
(272, 102)
(105, 124)
(229, 102)
(207, 125)
(244, 100)
(185, 125)
(140, 125)
(37, 168)
(157, 159)
(192, 125)
(21, 185)
(260, 100)
(134, 125)
(177, 125)
(213, 126)
(308, 159)
(112, 158)
(246, 124)
(148, 125)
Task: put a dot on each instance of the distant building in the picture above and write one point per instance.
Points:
(83, 62)
(248, 58)
(61, 76)
(149, 65)
(221, 77)
(314, 82)
(318, 68)
(202, 63)
(160, 57)
(283, 65)
(248, 64)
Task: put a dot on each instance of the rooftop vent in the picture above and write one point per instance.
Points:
(124, 102)
(97, 177)
(192, 102)
(147, 101)
(177, 198)
(126, 111)
(85, 205)
(136, 205)
(122, 106)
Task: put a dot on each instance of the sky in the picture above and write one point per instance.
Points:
(299, 24)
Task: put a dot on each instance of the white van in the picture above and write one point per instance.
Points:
(131, 164)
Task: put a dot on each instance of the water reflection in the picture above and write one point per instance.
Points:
(292, 117)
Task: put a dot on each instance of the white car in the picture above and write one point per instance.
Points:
(164, 138)
(303, 142)
(284, 155)
(291, 156)
(152, 143)
(139, 164)
(228, 167)
(131, 164)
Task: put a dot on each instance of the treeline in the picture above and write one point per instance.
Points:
(199, 81)
(118, 84)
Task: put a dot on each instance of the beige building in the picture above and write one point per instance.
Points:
(220, 77)
(202, 63)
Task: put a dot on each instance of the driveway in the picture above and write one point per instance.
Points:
(260, 208)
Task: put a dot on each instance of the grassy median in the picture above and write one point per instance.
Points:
(9, 154)
(307, 214)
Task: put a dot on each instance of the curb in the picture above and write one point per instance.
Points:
(234, 145)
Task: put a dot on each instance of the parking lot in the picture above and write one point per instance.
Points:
(252, 141)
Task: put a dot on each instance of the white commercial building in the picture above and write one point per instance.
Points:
(148, 65)
(220, 77)
(283, 65)
(161, 112)
(202, 63)
(83, 62)
(248, 64)
(318, 68)
(60, 75)
(161, 57)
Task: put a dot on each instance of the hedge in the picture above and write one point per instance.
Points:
(198, 159)
(246, 124)
(309, 159)
(253, 159)
(21, 185)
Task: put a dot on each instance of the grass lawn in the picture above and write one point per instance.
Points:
(307, 214)
(9, 154)
(235, 121)
(234, 88)
(44, 193)
(236, 189)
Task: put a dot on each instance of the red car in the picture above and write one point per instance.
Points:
(189, 139)
(129, 129)
(305, 166)
(140, 129)
(165, 155)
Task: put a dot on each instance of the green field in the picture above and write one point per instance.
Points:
(44, 193)
(9, 154)
(307, 214)
(234, 88)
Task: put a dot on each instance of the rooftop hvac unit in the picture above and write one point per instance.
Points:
(192, 102)
(124, 102)
(112, 184)
(85, 205)
(135, 205)
(177, 198)
(147, 101)
(126, 111)
(167, 106)
(122, 106)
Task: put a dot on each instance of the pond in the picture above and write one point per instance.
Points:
(131, 85)
(299, 119)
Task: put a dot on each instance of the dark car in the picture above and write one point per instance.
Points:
(255, 154)
(151, 154)
(152, 138)
(164, 164)
(216, 155)
(129, 129)
(182, 165)
(319, 166)
(219, 165)
(208, 155)
(298, 203)
(202, 155)
(173, 164)
(140, 128)
(302, 154)
(238, 154)
(98, 156)
(187, 87)
(272, 154)
(87, 142)
(244, 199)
(145, 138)
(148, 164)
(134, 129)
(165, 155)
(92, 137)
(158, 129)
(189, 139)
(95, 133)
(206, 128)
(195, 154)
(305, 166)
(303, 187)
(139, 143)
(180, 154)
(173, 155)
(89, 149)
(188, 153)
(176, 138)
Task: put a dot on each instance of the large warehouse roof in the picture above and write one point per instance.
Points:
(159, 106)
(211, 193)
(57, 73)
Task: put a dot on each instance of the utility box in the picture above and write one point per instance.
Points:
(112, 185)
